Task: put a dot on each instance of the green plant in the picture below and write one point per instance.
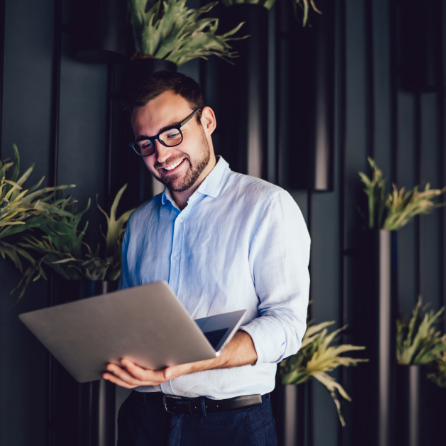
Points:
(266, 3)
(438, 377)
(23, 209)
(417, 342)
(316, 358)
(60, 246)
(302, 8)
(393, 211)
(304, 5)
(171, 31)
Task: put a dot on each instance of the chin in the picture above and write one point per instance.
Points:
(174, 183)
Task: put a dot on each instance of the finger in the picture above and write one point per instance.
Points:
(117, 381)
(123, 375)
(134, 370)
(151, 377)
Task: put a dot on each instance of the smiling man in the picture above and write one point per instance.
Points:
(224, 242)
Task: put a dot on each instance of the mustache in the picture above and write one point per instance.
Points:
(171, 160)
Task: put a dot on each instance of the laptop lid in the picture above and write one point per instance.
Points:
(146, 324)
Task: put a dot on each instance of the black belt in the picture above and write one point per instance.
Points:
(201, 405)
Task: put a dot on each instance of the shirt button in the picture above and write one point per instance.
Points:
(176, 257)
(180, 220)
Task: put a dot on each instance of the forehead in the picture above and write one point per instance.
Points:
(165, 109)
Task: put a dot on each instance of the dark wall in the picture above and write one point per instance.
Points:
(373, 116)
(28, 104)
(376, 114)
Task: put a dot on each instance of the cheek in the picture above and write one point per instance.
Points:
(149, 161)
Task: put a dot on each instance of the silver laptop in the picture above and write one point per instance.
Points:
(146, 324)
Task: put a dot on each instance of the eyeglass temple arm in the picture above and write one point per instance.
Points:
(189, 117)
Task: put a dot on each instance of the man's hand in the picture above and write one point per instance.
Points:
(130, 375)
(240, 351)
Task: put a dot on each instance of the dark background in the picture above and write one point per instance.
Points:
(374, 115)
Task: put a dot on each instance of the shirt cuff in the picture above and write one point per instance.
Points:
(268, 337)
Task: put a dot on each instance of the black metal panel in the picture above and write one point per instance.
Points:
(53, 181)
(420, 44)
(244, 92)
(442, 161)
(409, 406)
(322, 141)
(99, 29)
(2, 50)
(374, 325)
(55, 108)
(295, 96)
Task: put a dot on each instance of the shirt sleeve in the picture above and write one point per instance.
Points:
(279, 258)
(124, 281)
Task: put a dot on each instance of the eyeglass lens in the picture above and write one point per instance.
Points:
(170, 138)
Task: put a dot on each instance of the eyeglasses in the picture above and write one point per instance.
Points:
(169, 137)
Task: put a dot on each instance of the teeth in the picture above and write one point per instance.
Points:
(173, 165)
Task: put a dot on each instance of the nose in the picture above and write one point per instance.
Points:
(162, 152)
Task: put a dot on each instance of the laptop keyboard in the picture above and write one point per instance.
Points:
(214, 337)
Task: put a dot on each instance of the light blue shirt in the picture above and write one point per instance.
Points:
(240, 243)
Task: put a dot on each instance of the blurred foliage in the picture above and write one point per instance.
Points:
(23, 209)
(302, 8)
(438, 377)
(170, 30)
(417, 342)
(59, 245)
(393, 211)
(316, 358)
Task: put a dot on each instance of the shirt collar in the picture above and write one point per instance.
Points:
(212, 184)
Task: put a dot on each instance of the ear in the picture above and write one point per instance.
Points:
(208, 120)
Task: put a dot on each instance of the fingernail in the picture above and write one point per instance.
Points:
(168, 373)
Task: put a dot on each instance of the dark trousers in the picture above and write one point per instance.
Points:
(146, 423)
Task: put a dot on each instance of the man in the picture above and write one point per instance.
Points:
(224, 242)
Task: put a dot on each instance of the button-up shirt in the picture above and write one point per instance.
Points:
(240, 243)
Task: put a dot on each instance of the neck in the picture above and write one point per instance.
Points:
(181, 198)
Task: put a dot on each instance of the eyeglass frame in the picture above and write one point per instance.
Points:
(154, 138)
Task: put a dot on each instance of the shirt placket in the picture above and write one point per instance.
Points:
(175, 256)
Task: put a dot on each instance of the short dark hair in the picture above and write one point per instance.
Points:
(163, 81)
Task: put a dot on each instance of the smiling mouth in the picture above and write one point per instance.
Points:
(172, 167)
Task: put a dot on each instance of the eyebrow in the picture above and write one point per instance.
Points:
(163, 129)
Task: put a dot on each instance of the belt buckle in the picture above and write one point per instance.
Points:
(165, 403)
(179, 398)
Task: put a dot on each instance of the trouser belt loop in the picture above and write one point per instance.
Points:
(144, 397)
(203, 406)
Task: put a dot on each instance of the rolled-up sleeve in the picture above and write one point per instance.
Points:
(279, 257)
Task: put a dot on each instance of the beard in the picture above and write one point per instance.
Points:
(194, 171)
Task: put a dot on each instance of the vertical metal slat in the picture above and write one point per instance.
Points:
(53, 179)
(2, 53)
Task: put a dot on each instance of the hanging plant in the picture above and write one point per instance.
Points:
(170, 30)
(302, 8)
(393, 211)
(417, 342)
(23, 209)
(316, 358)
(60, 247)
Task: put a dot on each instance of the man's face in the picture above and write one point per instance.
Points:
(177, 167)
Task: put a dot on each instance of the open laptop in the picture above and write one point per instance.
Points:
(146, 324)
